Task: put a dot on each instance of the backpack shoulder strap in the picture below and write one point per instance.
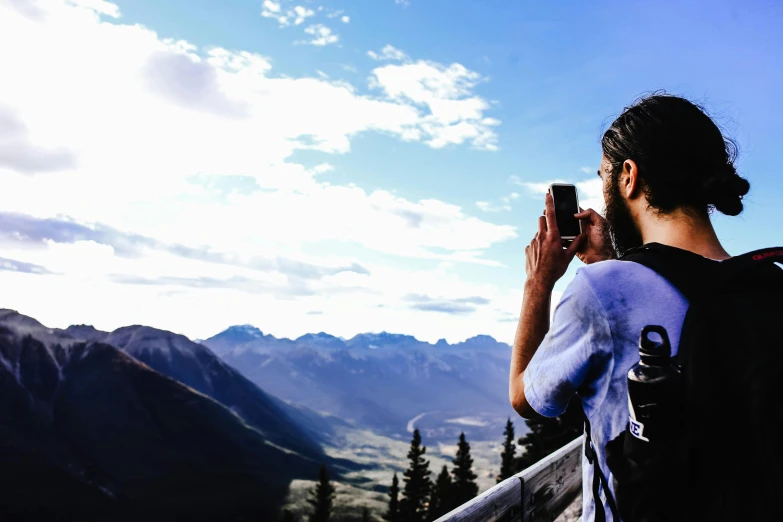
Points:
(755, 260)
(696, 276)
(691, 274)
(599, 480)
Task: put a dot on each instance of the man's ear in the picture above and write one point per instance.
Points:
(630, 183)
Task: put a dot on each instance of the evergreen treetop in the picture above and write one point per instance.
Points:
(416, 492)
(442, 498)
(322, 497)
(393, 514)
(465, 487)
(507, 466)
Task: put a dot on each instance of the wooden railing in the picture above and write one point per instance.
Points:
(541, 492)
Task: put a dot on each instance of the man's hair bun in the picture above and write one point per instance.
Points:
(724, 190)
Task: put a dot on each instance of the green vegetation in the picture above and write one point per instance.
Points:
(416, 492)
(442, 500)
(322, 497)
(393, 514)
(424, 501)
(465, 487)
(507, 467)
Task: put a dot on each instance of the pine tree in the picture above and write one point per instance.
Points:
(442, 499)
(365, 515)
(393, 515)
(322, 497)
(465, 487)
(549, 434)
(507, 466)
(416, 492)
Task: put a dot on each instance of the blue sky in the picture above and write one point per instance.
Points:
(343, 166)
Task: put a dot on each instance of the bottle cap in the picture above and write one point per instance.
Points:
(655, 346)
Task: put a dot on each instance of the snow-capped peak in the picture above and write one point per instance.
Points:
(245, 329)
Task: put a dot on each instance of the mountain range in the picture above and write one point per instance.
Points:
(140, 423)
(144, 423)
(382, 381)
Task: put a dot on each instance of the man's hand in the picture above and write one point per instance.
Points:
(547, 261)
(595, 247)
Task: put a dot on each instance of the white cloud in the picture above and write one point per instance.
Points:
(389, 52)
(590, 191)
(468, 421)
(272, 9)
(587, 170)
(271, 6)
(194, 147)
(87, 295)
(486, 206)
(302, 13)
(456, 114)
(335, 13)
(402, 2)
(322, 35)
(101, 7)
(591, 194)
(539, 188)
(503, 206)
(424, 82)
(323, 167)
(296, 16)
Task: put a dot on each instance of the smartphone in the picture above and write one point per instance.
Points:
(566, 205)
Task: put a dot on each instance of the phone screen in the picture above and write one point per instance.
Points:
(564, 197)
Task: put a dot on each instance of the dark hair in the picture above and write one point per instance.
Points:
(683, 158)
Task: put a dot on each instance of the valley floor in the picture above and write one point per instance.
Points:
(383, 456)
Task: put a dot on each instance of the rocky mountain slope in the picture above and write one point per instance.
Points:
(89, 432)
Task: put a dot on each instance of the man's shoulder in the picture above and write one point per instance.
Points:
(616, 268)
(612, 270)
(609, 278)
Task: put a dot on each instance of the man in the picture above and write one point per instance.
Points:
(665, 167)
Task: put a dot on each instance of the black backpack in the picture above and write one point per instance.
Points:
(727, 462)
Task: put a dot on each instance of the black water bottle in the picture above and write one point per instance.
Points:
(654, 392)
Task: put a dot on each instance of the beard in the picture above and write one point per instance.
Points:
(621, 231)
